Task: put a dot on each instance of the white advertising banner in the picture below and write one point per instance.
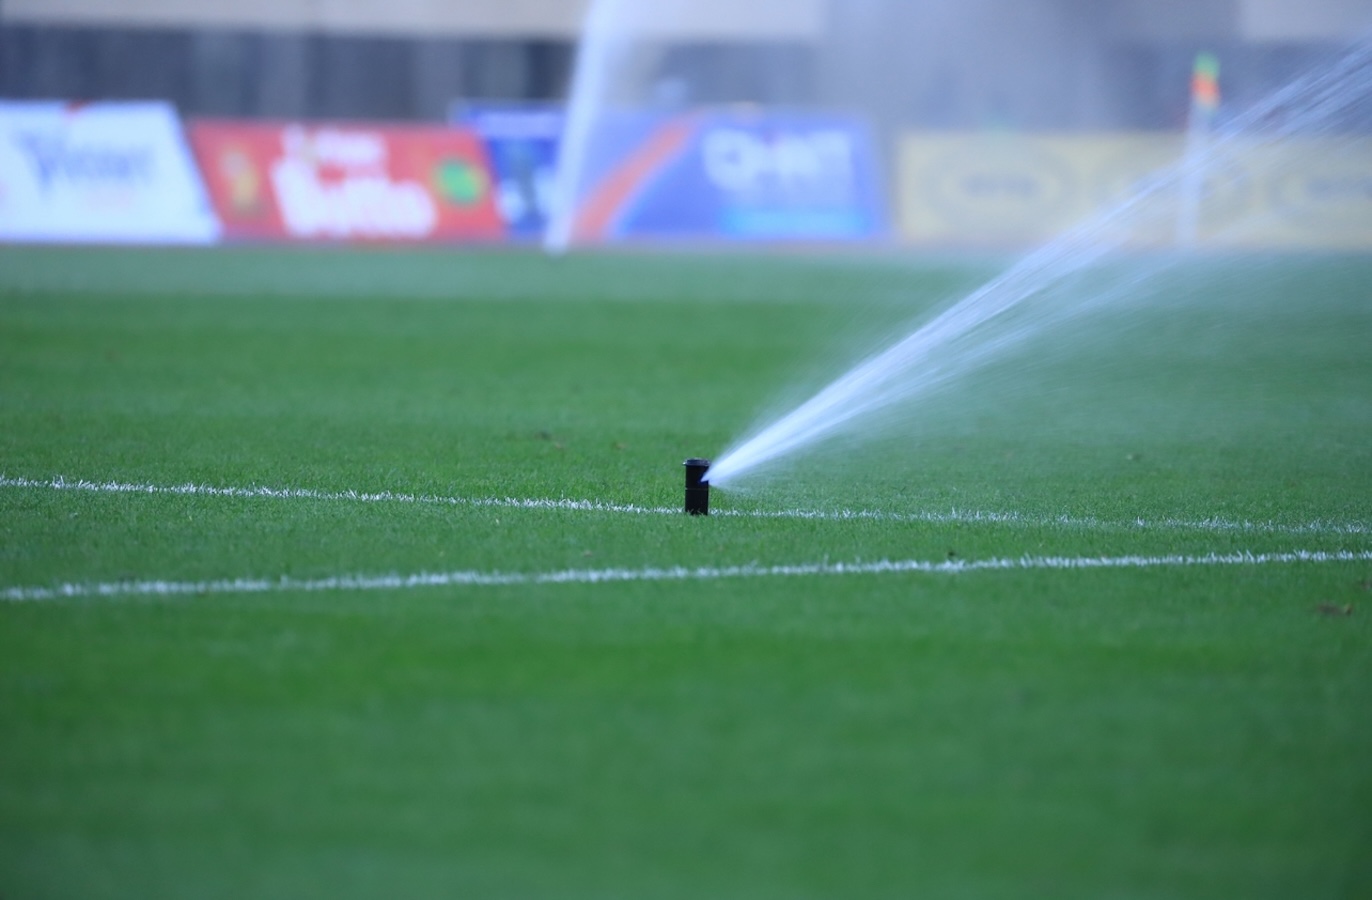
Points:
(97, 173)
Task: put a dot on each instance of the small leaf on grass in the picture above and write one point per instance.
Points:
(1333, 609)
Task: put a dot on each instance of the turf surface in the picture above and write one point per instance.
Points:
(1170, 732)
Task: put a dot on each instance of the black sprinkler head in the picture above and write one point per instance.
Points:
(697, 491)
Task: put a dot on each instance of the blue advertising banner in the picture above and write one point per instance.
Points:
(521, 142)
(737, 173)
(740, 174)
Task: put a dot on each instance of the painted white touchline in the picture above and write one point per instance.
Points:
(674, 573)
(1214, 524)
(204, 490)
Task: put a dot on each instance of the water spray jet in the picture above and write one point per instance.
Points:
(1329, 101)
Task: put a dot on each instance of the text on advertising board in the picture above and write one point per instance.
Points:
(744, 162)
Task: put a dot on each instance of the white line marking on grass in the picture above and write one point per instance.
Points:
(675, 573)
(954, 516)
(1214, 523)
(204, 490)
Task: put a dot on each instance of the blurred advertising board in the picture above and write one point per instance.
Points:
(101, 172)
(327, 182)
(522, 144)
(1012, 190)
(733, 174)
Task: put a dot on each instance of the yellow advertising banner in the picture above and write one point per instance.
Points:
(1007, 190)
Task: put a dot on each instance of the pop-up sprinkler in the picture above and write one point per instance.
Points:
(697, 489)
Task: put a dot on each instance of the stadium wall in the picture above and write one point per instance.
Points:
(772, 20)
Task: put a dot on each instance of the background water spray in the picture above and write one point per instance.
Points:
(598, 56)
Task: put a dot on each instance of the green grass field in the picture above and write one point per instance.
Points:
(1159, 730)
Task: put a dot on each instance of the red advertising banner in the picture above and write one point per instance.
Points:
(346, 182)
